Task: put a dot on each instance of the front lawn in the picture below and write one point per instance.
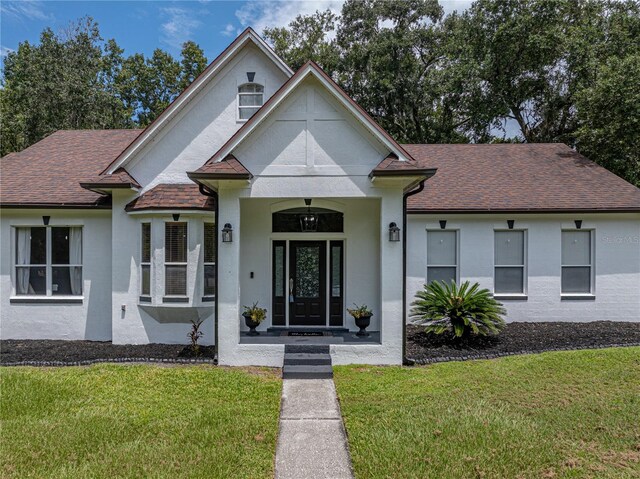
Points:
(138, 421)
(552, 415)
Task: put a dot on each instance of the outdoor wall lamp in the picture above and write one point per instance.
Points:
(227, 233)
(394, 232)
(443, 224)
(176, 216)
(578, 224)
(45, 220)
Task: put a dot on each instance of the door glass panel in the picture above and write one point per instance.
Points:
(335, 272)
(279, 271)
(308, 272)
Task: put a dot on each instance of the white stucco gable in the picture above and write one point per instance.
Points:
(204, 116)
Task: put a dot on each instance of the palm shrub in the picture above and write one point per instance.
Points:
(462, 310)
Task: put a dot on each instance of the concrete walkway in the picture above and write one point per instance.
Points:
(312, 442)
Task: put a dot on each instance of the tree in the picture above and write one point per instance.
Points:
(306, 38)
(192, 63)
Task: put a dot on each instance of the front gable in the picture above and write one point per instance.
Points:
(310, 133)
(204, 116)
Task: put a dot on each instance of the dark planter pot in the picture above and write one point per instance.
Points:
(363, 323)
(252, 325)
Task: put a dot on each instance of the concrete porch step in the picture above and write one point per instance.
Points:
(307, 372)
(312, 359)
(304, 348)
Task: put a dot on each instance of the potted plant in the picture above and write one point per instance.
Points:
(362, 314)
(253, 316)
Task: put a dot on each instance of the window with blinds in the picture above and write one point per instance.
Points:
(442, 256)
(510, 260)
(175, 259)
(145, 259)
(209, 244)
(577, 262)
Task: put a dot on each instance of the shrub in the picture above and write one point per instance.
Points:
(194, 335)
(462, 310)
(255, 312)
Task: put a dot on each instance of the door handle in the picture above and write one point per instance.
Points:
(291, 300)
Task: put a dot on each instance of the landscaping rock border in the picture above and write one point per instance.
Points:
(471, 357)
(88, 362)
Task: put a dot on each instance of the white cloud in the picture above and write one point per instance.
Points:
(260, 14)
(179, 27)
(4, 51)
(229, 30)
(25, 10)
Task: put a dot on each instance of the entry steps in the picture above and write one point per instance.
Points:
(306, 362)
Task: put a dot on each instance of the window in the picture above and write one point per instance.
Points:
(442, 256)
(209, 259)
(577, 262)
(510, 260)
(145, 260)
(250, 99)
(175, 259)
(49, 261)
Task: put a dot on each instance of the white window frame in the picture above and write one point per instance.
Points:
(457, 250)
(48, 266)
(239, 94)
(146, 296)
(180, 263)
(525, 266)
(591, 265)
(204, 262)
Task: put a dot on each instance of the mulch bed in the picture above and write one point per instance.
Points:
(520, 338)
(56, 352)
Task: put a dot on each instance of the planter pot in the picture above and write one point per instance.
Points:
(252, 325)
(363, 323)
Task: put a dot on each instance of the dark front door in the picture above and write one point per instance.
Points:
(307, 283)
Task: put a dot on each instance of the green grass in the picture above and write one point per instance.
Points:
(134, 421)
(553, 415)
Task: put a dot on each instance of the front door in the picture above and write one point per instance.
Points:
(307, 283)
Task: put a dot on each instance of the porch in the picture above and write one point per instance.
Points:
(309, 336)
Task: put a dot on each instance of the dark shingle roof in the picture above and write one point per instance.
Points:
(228, 168)
(49, 172)
(517, 177)
(172, 197)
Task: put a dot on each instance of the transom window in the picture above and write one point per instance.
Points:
(250, 99)
(510, 260)
(577, 262)
(175, 259)
(442, 256)
(49, 261)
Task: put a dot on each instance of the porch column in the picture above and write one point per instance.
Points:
(391, 279)
(228, 294)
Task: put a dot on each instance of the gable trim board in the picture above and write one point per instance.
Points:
(192, 90)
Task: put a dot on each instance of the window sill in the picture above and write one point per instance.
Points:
(46, 299)
(208, 299)
(175, 299)
(144, 299)
(577, 297)
(511, 297)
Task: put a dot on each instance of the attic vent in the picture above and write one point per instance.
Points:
(251, 76)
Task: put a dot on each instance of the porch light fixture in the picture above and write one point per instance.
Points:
(578, 224)
(227, 233)
(443, 224)
(309, 220)
(394, 232)
(510, 224)
(176, 216)
(45, 220)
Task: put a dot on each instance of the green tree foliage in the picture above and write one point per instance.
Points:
(75, 80)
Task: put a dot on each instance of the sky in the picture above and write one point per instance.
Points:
(142, 26)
